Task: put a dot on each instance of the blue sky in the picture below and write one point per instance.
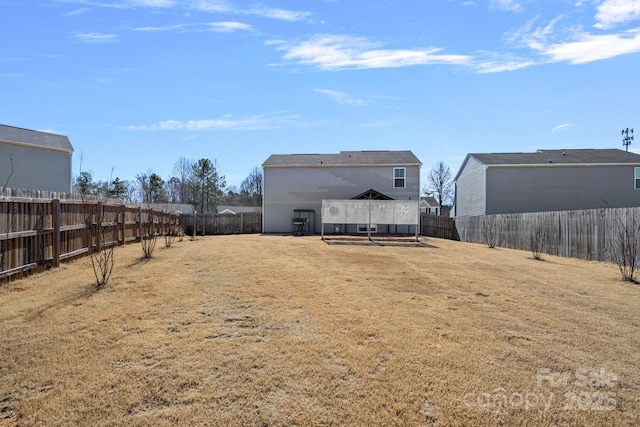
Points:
(137, 84)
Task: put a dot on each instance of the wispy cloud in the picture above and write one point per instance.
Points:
(152, 3)
(589, 47)
(280, 14)
(567, 44)
(78, 12)
(216, 6)
(274, 120)
(337, 52)
(95, 37)
(211, 6)
(229, 27)
(562, 127)
(219, 27)
(341, 98)
(611, 13)
(223, 6)
(124, 4)
(508, 5)
(485, 63)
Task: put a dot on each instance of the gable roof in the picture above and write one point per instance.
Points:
(344, 158)
(371, 194)
(590, 156)
(431, 201)
(21, 136)
(540, 157)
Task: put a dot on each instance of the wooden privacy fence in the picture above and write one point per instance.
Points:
(437, 226)
(36, 233)
(584, 234)
(242, 223)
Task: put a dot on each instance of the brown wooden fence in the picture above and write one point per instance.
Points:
(38, 233)
(242, 223)
(584, 234)
(437, 226)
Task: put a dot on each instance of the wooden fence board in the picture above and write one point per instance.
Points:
(36, 234)
(584, 234)
(211, 224)
(437, 226)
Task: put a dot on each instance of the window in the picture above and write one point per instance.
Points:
(637, 180)
(399, 177)
(362, 228)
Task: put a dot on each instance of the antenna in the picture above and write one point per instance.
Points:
(626, 139)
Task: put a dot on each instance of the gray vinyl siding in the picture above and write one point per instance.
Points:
(35, 168)
(470, 189)
(553, 188)
(289, 188)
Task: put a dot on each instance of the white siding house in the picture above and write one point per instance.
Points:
(40, 160)
(429, 206)
(296, 184)
(547, 180)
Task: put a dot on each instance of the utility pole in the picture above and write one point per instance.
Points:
(626, 139)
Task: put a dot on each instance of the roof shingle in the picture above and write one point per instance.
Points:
(581, 156)
(32, 137)
(344, 158)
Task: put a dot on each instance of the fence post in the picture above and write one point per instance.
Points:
(98, 226)
(241, 223)
(55, 218)
(123, 225)
(140, 224)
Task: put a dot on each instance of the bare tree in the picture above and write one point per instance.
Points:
(149, 236)
(101, 249)
(10, 221)
(625, 246)
(102, 253)
(489, 230)
(439, 184)
(6, 183)
(537, 237)
(252, 185)
(183, 173)
(174, 232)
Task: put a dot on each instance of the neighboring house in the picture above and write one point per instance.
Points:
(296, 184)
(547, 180)
(429, 206)
(41, 161)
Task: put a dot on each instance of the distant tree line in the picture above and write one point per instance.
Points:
(198, 183)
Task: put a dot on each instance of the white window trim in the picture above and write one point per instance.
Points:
(636, 177)
(404, 178)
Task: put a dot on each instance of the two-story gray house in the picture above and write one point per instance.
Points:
(41, 161)
(296, 184)
(547, 180)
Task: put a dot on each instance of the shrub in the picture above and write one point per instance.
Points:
(102, 252)
(538, 237)
(490, 230)
(149, 237)
(625, 247)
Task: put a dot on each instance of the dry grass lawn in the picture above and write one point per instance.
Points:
(271, 330)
